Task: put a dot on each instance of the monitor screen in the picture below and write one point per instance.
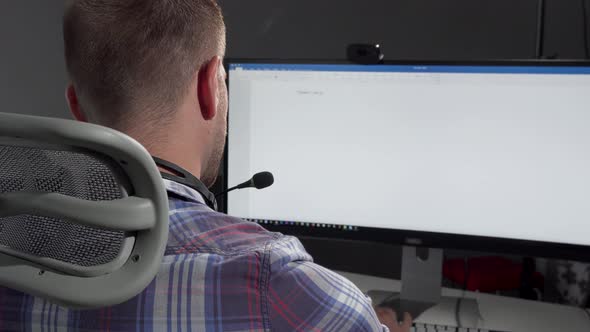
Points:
(498, 151)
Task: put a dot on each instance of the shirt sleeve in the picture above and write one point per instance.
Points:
(303, 296)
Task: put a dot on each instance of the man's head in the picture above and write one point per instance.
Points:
(152, 69)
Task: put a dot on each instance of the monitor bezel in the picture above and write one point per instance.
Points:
(420, 238)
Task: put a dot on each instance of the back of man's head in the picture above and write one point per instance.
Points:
(133, 61)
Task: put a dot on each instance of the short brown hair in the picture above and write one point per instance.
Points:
(133, 60)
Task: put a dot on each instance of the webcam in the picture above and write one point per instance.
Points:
(366, 54)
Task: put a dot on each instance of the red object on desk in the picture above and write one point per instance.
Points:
(488, 274)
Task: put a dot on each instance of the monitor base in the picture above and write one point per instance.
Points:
(467, 313)
(421, 289)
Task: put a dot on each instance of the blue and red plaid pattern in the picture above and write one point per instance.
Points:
(219, 274)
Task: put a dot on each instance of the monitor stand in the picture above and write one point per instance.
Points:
(422, 289)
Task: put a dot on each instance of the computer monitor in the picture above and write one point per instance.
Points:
(441, 155)
(490, 156)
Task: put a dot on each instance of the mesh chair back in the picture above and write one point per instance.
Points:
(81, 174)
(83, 212)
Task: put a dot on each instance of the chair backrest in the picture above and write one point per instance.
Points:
(83, 212)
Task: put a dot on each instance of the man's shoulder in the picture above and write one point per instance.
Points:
(295, 293)
(195, 228)
(286, 250)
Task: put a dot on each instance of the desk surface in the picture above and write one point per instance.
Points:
(498, 313)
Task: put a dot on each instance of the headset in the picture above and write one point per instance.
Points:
(186, 178)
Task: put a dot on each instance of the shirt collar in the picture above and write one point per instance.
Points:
(183, 191)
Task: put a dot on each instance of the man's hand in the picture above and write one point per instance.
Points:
(388, 318)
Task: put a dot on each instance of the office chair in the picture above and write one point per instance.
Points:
(83, 212)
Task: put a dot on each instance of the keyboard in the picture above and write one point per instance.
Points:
(442, 328)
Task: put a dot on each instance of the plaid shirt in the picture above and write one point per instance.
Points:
(219, 274)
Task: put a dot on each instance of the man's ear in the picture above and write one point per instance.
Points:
(208, 88)
(74, 105)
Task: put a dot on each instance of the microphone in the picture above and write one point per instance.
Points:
(259, 181)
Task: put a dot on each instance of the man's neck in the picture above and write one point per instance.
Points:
(175, 153)
(177, 141)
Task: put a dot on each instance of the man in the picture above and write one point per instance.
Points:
(153, 70)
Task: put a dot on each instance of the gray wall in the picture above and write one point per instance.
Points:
(32, 70)
(406, 29)
(32, 74)
(564, 24)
